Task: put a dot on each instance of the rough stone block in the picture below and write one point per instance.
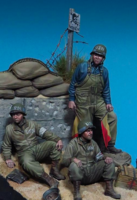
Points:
(52, 113)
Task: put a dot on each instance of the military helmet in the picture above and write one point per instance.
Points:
(100, 50)
(83, 126)
(17, 108)
(52, 194)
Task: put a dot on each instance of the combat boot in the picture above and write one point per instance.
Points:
(112, 149)
(54, 172)
(110, 190)
(76, 185)
(49, 180)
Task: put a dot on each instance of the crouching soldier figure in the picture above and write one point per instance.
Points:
(87, 164)
(23, 134)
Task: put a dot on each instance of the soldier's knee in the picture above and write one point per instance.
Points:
(75, 173)
(27, 162)
(50, 145)
(112, 116)
(73, 167)
(111, 166)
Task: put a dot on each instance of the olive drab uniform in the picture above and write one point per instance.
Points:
(93, 164)
(90, 103)
(24, 138)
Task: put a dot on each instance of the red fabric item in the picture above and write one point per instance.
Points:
(76, 135)
(105, 133)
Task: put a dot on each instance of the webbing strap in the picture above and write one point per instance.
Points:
(134, 178)
(89, 68)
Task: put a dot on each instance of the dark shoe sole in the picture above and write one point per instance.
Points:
(112, 152)
(112, 196)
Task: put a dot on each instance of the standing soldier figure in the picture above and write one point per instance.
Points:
(23, 134)
(89, 93)
(87, 164)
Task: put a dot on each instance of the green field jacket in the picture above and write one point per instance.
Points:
(24, 137)
(88, 153)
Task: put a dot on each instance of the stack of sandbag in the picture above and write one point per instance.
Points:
(9, 83)
(30, 77)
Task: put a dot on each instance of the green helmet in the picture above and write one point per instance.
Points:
(83, 126)
(100, 50)
(52, 193)
(17, 108)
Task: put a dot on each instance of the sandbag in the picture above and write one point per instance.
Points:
(47, 80)
(7, 94)
(9, 81)
(27, 92)
(55, 91)
(119, 159)
(28, 68)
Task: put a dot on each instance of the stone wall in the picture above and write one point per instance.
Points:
(52, 113)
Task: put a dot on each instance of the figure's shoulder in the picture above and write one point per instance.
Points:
(9, 127)
(73, 141)
(83, 65)
(29, 122)
(105, 70)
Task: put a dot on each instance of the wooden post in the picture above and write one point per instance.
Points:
(69, 46)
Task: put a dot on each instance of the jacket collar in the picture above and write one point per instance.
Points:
(21, 126)
(84, 143)
(98, 66)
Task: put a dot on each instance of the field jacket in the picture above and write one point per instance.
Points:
(24, 137)
(88, 153)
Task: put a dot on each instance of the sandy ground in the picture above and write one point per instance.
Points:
(33, 190)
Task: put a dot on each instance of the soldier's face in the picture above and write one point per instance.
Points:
(88, 134)
(97, 59)
(17, 117)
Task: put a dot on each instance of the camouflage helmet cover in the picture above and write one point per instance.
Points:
(83, 126)
(100, 50)
(17, 108)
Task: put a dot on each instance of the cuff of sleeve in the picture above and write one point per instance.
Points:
(57, 139)
(72, 160)
(108, 102)
(7, 158)
(71, 98)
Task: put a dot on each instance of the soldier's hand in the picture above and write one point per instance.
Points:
(71, 105)
(10, 163)
(108, 160)
(59, 145)
(109, 107)
(78, 162)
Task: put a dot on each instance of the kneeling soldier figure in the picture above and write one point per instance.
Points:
(23, 134)
(86, 163)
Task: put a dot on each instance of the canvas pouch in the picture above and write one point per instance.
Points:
(17, 176)
(126, 177)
